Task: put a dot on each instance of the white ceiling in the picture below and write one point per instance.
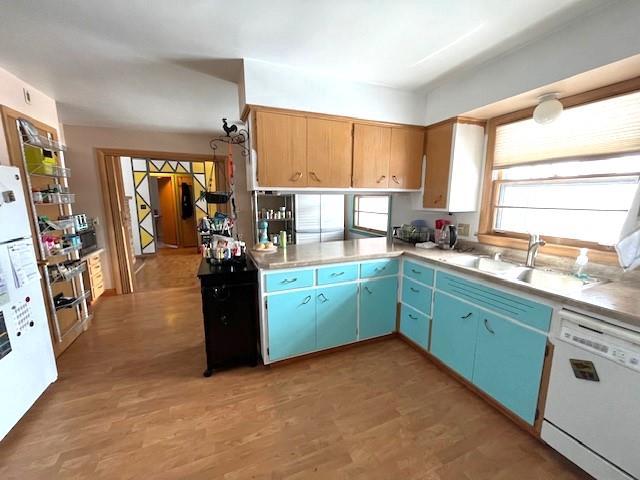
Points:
(172, 65)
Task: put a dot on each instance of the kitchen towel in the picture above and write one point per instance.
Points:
(628, 247)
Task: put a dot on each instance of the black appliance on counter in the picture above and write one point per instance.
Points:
(89, 241)
(230, 309)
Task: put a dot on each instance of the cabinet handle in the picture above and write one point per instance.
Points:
(380, 269)
(367, 290)
(337, 274)
(323, 298)
(464, 317)
(306, 300)
(412, 317)
(414, 290)
(395, 179)
(296, 176)
(314, 176)
(287, 281)
(417, 272)
(381, 179)
(486, 325)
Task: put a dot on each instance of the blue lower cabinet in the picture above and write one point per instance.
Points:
(378, 300)
(414, 326)
(336, 315)
(508, 364)
(453, 333)
(416, 295)
(292, 323)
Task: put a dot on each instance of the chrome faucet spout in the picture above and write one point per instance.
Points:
(535, 242)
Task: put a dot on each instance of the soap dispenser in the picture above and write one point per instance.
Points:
(581, 261)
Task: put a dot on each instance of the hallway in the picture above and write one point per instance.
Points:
(169, 268)
(131, 402)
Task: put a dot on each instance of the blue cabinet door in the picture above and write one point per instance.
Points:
(508, 364)
(415, 326)
(336, 315)
(453, 333)
(378, 299)
(291, 319)
(416, 295)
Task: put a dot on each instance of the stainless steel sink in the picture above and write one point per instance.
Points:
(497, 267)
(555, 281)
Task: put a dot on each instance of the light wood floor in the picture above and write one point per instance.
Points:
(169, 268)
(131, 403)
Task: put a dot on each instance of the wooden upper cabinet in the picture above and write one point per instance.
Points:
(282, 149)
(405, 164)
(329, 145)
(371, 154)
(436, 181)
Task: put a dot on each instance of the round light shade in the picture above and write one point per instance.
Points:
(547, 110)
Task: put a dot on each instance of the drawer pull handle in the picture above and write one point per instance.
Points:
(417, 272)
(414, 290)
(337, 274)
(296, 176)
(366, 289)
(395, 179)
(323, 298)
(381, 179)
(412, 317)
(486, 325)
(315, 177)
(306, 300)
(380, 269)
(464, 317)
(289, 280)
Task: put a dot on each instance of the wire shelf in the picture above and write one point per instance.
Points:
(62, 251)
(44, 198)
(47, 170)
(60, 273)
(56, 225)
(76, 301)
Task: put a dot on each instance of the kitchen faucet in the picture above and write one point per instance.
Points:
(535, 242)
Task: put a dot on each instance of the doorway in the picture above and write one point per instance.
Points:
(173, 208)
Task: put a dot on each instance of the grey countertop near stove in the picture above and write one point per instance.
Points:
(618, 300)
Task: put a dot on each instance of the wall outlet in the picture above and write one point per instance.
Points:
(463, 229)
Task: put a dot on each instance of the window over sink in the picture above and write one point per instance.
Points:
(371, 213)
(572, 181)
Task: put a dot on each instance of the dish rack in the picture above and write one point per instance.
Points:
(412, 234)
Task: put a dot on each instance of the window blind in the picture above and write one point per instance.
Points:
(605, 127)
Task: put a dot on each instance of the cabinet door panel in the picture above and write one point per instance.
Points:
(405, 164)
(336, 315)
(453, 333)
(329, 146)
(436, 180)
(378, 300)
(282, 149)
(292, 323)
(508, 364)
(416, 295)
(415, 326)
(371, 152)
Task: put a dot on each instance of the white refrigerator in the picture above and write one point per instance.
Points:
(319, 218)
(27, 362)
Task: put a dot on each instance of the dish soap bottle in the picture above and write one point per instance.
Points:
(581, 261)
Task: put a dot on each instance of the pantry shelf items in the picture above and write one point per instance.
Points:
(58, 249)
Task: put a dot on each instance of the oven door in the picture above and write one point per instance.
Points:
(595, 399)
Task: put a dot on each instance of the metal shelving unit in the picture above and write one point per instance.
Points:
(55, 174)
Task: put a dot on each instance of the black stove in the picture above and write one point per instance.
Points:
(230, 310)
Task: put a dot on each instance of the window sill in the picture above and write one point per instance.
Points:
(602, 256)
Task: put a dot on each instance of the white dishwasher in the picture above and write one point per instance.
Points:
(592, 414)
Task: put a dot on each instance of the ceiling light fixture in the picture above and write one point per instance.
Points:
(548, 110)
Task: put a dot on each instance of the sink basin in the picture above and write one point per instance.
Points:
(497, 267)
(554, 281)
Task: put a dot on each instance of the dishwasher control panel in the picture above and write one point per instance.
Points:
(617, 350)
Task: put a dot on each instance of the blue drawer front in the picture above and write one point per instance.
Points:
(415, 326)
(289, 280)
(341, 273)
(416, 295)
(388, 266)
(418, 272)
(530, 313)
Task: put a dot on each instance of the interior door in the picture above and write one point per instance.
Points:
(167, 204)
(371, 152)
(188, 236)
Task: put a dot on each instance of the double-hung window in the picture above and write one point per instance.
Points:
(371, 213)
(572, 181)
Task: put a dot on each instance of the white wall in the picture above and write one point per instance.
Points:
(42, 107)
(85, 180)
(272, 85)
(604, 36)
